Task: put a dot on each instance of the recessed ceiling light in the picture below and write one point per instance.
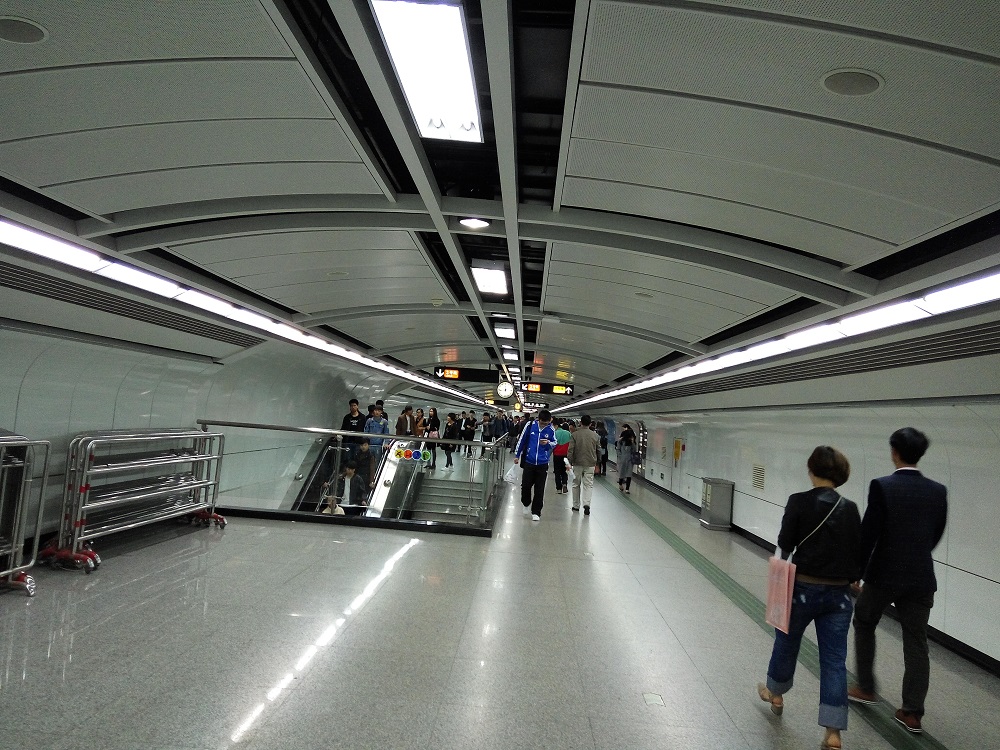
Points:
(505, 333)
(429, 48)
(490, 280)
(852, 82)
(473, 223)
(512, 356)
(21, 31)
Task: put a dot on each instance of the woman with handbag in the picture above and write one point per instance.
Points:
(823, 529)
(626, 446)
(433, 431)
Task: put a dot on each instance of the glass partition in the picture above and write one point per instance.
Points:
(307, 470)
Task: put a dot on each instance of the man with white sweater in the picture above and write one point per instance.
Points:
(584, 448)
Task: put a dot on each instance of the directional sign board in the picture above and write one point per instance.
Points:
(468, 374)
(560, 390)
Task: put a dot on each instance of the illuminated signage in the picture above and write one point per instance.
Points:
(561, 390)
(532, 387)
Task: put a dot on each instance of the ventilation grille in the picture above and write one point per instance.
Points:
(34, 282)
(974, 341)
(758, 477)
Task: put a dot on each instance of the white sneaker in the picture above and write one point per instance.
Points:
(536, 518)
(526, 510)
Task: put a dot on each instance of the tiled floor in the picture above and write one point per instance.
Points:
(567, 633)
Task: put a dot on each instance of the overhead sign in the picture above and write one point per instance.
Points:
(469, 374)
(535, 405)
(560, 390)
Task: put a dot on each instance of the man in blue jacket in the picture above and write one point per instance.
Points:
(904, 521)
(534, 448)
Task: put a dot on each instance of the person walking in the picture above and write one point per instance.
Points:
(602, 461)
(451, 430)
(469, 432)
(559, 454)
(534, 448)
(904, 521)
(353, 421)
(377, 424)
(626, 446)
(823, 528)
(433, 431)
(405, 422)
(584, 446)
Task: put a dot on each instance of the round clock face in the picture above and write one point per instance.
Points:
(505, 389)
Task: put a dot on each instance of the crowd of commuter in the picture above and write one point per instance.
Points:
(835, 549)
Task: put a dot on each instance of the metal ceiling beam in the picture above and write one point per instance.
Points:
(583, 355)
(498, 30)
(581, 15)
(362, 36)
(228, 208)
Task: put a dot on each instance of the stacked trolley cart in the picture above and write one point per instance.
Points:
(20, 458)
(124, 479)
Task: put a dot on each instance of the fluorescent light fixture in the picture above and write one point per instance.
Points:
(140, 279)
(963, 295)
(812, 337)
(429, 48)
(473, 223)
(882, 317)
(512, 356)
(507, 346)
(513, 369)
(505, 333)
(490, 280)
(49, 247)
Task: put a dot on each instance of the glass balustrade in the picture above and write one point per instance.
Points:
(274, 469)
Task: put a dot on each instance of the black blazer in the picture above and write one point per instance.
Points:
(904, 521)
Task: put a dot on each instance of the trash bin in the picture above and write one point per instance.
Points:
(717, 504)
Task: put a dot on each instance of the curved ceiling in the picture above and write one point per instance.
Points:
(665, 180)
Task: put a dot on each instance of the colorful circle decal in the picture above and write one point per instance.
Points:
(416, 455)
(399, 453)
(426, 455)
(407, 454)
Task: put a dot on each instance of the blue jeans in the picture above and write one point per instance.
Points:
(830, 607)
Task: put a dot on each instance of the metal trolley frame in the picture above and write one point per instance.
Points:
(19, 455)
(113, 483)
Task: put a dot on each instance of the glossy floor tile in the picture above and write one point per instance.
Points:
(572, 632)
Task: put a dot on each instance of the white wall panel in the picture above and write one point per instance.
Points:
(964, 446)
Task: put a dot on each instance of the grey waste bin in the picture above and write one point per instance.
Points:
(717, 504)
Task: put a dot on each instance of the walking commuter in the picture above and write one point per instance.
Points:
(904, 521)
(823, 528)
(405, 422)
(451, 430)
(377, 424)
(602, 463)
(487, 433)
(534, 448)
(559, 454)
(353, 421)
(626, 446)
(584, 446)
(433, 431)
(469, 431)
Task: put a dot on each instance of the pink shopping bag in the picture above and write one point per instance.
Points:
(780, 581)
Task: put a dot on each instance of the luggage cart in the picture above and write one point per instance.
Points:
(124, 479)
(19, 458)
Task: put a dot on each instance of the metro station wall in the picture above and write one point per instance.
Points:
(53, 388)
(963, 455)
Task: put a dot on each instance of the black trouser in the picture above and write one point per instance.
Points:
(602, 462)
(559, 471)
(913, 610)
(533, 476)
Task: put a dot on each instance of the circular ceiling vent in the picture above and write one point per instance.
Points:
(21, 31)
(852, 82)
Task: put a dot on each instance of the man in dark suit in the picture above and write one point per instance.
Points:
(904, 521)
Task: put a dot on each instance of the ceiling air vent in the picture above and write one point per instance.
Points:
(758, 477)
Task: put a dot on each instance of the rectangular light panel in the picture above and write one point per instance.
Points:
(490, 280)
(429, 47)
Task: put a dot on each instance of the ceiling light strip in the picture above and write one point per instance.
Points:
(957, 297)
(66, 253)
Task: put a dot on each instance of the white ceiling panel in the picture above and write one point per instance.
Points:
(340, 295)
(777, 191)
(727, 290)
(113, 194)
(145, 148)
(907, 172)
(385, 331)
(632, 352)
(458, 355)
(749, 221)
(964, 24)
(767, 63)
(370, 276)
(301, 244)
(663, 314)
(111, 31)
(333, 263)
(114, 96)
